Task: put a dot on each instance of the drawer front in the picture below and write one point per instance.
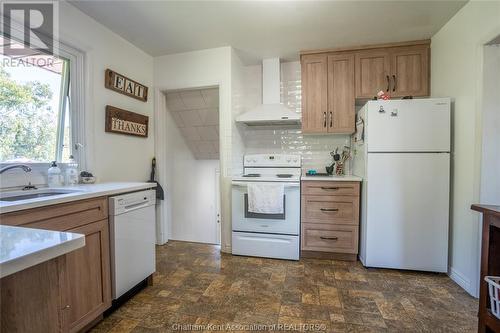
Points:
(330, 188)
(329, 238)
(60, 217)
(330, 209)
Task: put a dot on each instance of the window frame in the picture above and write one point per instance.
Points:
(78, 122)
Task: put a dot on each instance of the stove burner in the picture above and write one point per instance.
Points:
(252, 175)
(284, 175)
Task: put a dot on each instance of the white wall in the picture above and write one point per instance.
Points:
(457, 60)
(201, 69)
(113, 157)
(191, 190)
(490, 162)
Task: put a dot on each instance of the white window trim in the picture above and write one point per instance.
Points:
(80, 139)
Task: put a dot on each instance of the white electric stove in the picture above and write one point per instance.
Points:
(267, 235)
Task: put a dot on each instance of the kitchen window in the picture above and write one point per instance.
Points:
(41, 111)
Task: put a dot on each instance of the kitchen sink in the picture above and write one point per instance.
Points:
(33, 194)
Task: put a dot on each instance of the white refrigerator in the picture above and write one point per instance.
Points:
(404, 160)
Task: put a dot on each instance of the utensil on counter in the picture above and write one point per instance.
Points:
(329, 169)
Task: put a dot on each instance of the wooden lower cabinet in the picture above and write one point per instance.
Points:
(85, 276)
(89, 276)
(34, 300)
(330, 238)
(330, 219)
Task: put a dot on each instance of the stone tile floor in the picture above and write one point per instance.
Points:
(197, 285)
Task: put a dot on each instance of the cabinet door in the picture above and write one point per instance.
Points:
(410, 71)
(372, 73)
(89, 278)
(341, 100)
(314, 94)
(33, 299)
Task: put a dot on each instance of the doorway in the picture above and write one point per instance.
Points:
(193, 164)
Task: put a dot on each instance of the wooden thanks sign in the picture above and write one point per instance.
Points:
(126, 122)
(124, 85)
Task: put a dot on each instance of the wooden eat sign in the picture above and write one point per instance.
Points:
(124, 85)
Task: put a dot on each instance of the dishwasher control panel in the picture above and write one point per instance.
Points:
(126, 202)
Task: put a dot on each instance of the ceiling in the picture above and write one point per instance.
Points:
(260, 29)
(196, 114)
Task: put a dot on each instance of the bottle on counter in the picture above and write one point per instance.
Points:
(54, 175)
(71, 172)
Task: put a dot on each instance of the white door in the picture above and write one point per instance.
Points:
(217, 207)
(408, 211)
(419, 125)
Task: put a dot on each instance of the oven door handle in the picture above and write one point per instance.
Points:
(244, 184)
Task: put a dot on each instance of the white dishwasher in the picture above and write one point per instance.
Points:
(132, 239)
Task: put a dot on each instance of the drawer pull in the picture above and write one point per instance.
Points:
(329, 238)
(329, 188)
(329, 209)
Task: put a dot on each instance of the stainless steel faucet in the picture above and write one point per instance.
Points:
(20, 166)
(16, 166)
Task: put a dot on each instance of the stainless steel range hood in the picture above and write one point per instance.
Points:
(271, 111)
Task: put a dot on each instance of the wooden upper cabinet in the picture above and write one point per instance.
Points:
(410, 71)
(341, 97)
(314, 94)
(372, 72)
(89, 276)
(332, 80)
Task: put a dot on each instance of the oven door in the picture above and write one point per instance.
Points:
(287, 223)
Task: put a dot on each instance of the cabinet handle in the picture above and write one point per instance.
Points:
(329, 188)
(329, 209)
(324, 119)
(388, 83)
(67, 307)
(394, 86)
(329, 238)
(331, 119)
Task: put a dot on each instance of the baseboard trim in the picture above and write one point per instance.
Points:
(226, 249)
(460, 279)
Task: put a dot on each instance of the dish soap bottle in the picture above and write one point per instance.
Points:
(54, 175)
(71, 172)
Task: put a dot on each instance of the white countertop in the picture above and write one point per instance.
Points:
(82, 191)
(21, 247)
(333, 178)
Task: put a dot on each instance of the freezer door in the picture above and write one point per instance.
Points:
(407, 214)
(419, 125)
